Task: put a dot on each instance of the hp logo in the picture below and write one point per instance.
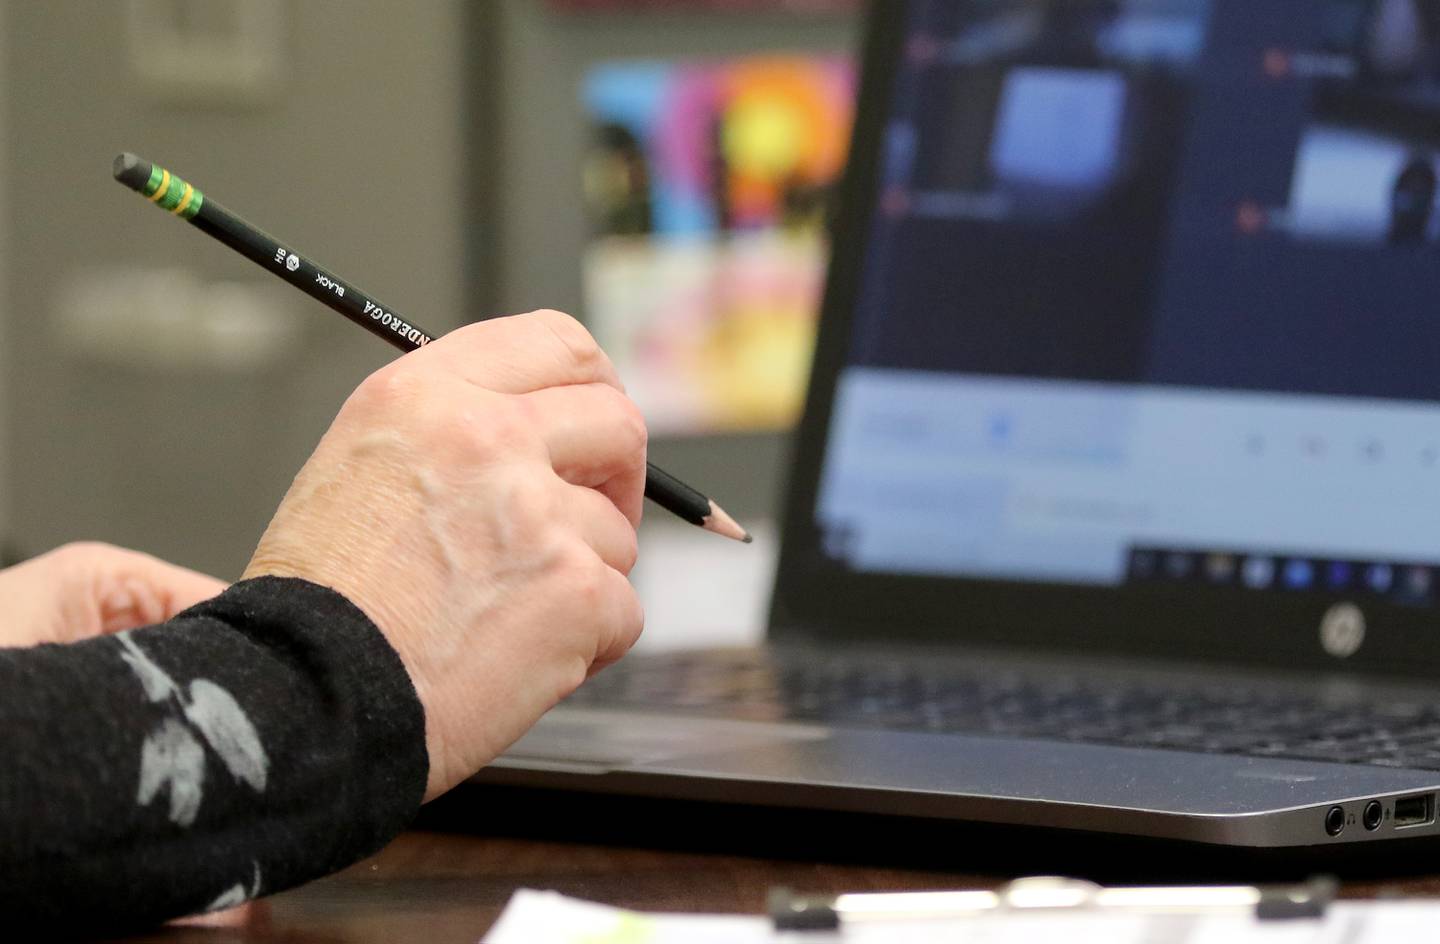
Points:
(1342, 630)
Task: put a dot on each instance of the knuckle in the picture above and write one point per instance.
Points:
(627, 423)
(577, 342)
(479, 431)
(577, 671)
(634, 623)
(527, 520)
(628, 624)
(495, 425)
(634, 429)
(390, 385)
(564, 325)
(585, 575)
(629, 550)
(533, 501)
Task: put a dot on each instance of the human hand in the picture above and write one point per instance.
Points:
(478, 499)
(89, 589)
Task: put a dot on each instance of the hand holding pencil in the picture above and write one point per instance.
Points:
(478, 501)
(187, 202)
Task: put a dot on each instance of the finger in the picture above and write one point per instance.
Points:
(131, 589)
(39, 606)
(626, 619)
(100, 588)
(522, 353)
(602, 526)
(627, 493)
(596, 438)
(172, 588)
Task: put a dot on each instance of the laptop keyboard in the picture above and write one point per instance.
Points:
(911, 696)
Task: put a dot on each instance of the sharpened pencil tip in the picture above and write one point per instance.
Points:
(748, 538)
(721, 523)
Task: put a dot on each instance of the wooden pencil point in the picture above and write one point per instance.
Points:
(721, 523)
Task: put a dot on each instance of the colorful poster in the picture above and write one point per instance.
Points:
(708, 187)
(797, 6)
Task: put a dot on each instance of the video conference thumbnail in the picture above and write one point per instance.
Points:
(1043, 138)
(1366, 169)
(1047, 109)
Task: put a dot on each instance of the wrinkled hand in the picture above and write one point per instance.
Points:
(89, 589)
(478, 499)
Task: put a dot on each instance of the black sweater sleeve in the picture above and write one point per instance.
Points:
(256, 741)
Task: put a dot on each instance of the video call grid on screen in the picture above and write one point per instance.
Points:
(1164, 197)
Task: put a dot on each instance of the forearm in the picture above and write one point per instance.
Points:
(256, 741)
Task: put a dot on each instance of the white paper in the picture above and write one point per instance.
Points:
(534, 917)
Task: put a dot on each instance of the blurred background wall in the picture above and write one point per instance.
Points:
(5, 444)
(161, 391)
(344, 134)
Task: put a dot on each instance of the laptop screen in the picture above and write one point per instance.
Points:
(1150, 293)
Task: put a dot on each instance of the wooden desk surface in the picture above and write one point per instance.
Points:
(438, 888)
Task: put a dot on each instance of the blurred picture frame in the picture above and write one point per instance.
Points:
(708, 184)
(720, 6)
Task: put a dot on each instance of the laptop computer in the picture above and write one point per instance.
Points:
(1114, 502)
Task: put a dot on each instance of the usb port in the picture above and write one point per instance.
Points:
(1415, 811)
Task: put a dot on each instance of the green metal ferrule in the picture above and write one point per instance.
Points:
(169, 192)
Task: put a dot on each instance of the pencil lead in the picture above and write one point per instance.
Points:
(721, 523)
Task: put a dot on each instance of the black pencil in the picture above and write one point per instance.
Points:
(185, 201)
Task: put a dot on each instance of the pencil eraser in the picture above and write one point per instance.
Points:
(131, 171)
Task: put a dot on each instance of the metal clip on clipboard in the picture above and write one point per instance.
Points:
(791, 912)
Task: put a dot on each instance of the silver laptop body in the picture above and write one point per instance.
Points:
(1127, 393)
